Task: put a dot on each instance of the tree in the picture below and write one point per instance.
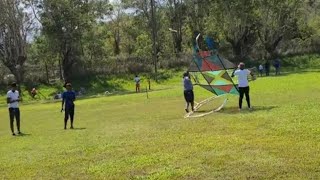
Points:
(278, 21)
(42, 57)
(65, 22)
(14, 27)
(147, 11)
(115, 24)
(154, 32)
(175, 14)
(237, 27)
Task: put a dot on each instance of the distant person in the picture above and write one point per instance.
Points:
(188, 92)
(33, 92)
(58, 95)
(13, 99)
(68, 98)
(260, 70)
(243, 86)
(276, 65)
(137, 80)
(82, 91)
(267, 68)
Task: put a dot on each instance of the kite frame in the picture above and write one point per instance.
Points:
(206, 101)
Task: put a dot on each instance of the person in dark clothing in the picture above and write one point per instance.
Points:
(267, 68)
(68, 98)
(276, 65)
(188, 92)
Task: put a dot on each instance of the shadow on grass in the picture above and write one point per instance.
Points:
(201, 111)
(79, 129)
(235, 110)
(23, 134)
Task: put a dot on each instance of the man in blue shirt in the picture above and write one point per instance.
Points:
(188, 91)
(68, 98)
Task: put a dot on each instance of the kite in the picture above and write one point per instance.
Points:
(211, 72)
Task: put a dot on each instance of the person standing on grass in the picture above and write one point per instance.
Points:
(261, 69)
(267, 67)
(137, 80)
(276, 65)
(188, 92)
(242, 75)
(13, 99)
(68, 98)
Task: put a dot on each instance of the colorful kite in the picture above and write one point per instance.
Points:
(212, 73)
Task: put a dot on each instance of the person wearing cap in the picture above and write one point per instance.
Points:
(13, 99)
(243, 85)
(188, 92)
(68, 98)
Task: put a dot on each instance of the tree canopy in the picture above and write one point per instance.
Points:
(72, 38)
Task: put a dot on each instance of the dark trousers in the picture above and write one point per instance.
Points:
(261, 72)
(69, 112)
(244, 91)
(14, 113)
(267, 72)
(189, 97)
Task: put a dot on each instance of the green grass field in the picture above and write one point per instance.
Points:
(132, 137)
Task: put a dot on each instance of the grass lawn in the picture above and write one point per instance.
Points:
(132, 137)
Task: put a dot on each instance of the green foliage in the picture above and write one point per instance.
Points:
(66, 23)
(87, 37)
(302, 62)
(143, 46)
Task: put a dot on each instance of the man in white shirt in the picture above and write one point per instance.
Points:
(137, 80)
(13, 99)
(243, 86)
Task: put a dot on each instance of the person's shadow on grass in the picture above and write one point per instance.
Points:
(23, 134)
(234, 110)
(80, 128)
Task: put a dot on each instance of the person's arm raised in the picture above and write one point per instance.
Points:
(232, 75)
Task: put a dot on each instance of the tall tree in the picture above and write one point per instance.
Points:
(116, 17)
(175, 14)
(147, 10)
(278, 21)
(65, 22)
(154, 32)
(15, 23)
(237, 23)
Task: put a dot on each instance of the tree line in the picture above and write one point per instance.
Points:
(64, 39)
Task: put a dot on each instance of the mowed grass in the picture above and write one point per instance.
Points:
(132, 137)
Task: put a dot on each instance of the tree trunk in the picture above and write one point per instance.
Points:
(154, 38)
(60, 70)
(67, 64)
(116, 42)
(272, 46)
(47, 72)
(237, 51)
(67, 69)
